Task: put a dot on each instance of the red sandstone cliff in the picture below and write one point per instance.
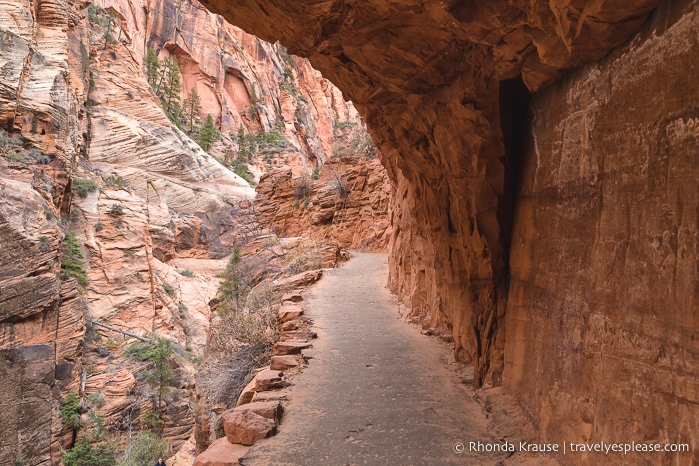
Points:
(347, 205)
(551, 233)
(159, 220)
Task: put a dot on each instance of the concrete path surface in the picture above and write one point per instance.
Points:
(376, 392)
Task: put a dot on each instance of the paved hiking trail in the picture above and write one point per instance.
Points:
(376, 391)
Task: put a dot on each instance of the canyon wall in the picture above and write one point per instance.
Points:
(41, 318)
(557, 245)
(347, 205)
(602, 311)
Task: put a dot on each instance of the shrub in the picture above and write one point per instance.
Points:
(169, 289)
(92, 449)
(16, 157)
(223, 378)
(116, 210)
(187, 273)
(86, 453)
(84, 187)
(72, 260)
(316, 172)
(115, 182)
(70, 410)
(144, 449)
(157, 353)
(302, 187)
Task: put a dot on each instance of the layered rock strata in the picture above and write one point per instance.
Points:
(156, 215)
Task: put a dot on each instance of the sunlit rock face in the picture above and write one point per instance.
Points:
(545, 218)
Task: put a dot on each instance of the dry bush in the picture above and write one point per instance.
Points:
(356, 142)
(302, 258)
(302, 187)
(223, 377)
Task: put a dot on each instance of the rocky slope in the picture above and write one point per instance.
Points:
(551, 233)
(347, 205)
(91, 151)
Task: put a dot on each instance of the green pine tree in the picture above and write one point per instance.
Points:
(191, 111)
(208, 135)
(72, 260)
(170, 89)
(159, 375)
(152, 68)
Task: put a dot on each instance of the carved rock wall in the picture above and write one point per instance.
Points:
(602, 310)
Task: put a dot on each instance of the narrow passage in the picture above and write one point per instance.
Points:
(376, 391)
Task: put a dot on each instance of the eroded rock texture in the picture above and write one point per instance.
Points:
(602, 314)
(347, 205)
(604, 167)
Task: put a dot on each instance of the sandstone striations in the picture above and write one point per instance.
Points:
(445, 88)
(89, 150)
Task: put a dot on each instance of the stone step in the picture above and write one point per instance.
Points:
(292, 297)
(268, 380)
(281, 363)
(300, 335)
(272, 395)
(221, 453)
(290, 347)
(290, 312)
(290, 325)
(245, 426)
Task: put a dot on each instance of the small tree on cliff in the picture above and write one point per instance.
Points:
(171, 89)
(208, 135)
(93, 448)
(191, 111)
(153, 70)
(159, 374)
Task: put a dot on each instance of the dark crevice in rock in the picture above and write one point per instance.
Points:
(515, 122)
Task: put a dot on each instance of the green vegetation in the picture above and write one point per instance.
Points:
(84, 187)
(208, 135)
(340, 125)
(187, 273)
(164, 77)
(93, 448)
(255, 100)
(16, 157)
(191, 111)
(115, 181)
(89, 451)
(159, 375)
(99, 17)
(7, 143)
(316, 172)
(116, 210)
(284, 54)
(169, 289)
(251, 145)
(170, 87)
(70, 410)
(72, 260)
(232, 287)
(144, 449)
